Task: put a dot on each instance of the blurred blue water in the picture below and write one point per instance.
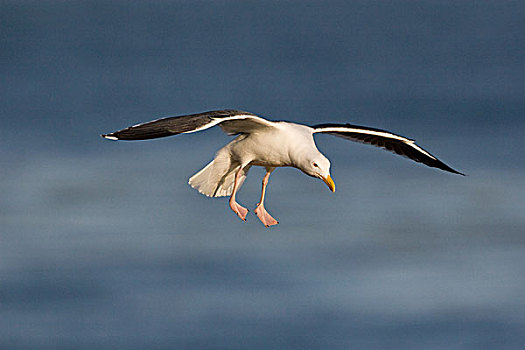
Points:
(103, 245)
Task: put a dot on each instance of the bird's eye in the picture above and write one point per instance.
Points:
(315, 165)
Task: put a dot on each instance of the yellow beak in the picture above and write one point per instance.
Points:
(328, 180)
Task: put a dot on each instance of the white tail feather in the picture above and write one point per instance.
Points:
(217, 178)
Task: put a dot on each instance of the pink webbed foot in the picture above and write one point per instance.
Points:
(239, 210)
(265, 218)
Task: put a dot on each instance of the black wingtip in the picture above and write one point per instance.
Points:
(445, 167)
(439, 164)
(450, 170)
(109, 137)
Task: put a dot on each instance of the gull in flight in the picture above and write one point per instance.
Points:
(269, 144)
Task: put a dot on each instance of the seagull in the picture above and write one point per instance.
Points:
(268, 144)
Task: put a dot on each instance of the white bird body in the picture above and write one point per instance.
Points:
(286, 144)
(274, 147)
(268, 144)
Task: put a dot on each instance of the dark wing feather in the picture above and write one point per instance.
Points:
(184, 124)
(386, 140)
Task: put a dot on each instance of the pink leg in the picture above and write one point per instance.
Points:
(236, 207)
(262, 214)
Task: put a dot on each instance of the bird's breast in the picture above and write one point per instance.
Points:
(262, 149)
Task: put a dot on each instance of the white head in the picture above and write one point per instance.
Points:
(317, 165)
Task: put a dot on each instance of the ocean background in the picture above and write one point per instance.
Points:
(103, 245)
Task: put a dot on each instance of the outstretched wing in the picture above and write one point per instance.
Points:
(231, 121)
(386, 140)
